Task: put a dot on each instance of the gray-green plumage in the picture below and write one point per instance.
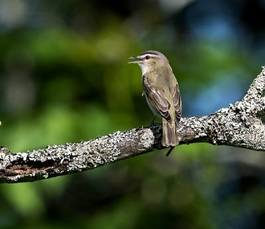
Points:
(162, 93)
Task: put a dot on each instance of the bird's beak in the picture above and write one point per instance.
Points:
(134, 60)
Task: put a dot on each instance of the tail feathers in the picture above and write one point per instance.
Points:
(169, 136)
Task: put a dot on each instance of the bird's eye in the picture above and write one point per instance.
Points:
(147, 57)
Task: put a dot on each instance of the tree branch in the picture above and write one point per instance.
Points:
(238, 125)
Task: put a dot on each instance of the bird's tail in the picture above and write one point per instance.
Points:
(169, 136)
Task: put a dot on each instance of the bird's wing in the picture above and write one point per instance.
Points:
(177, 102)
(157, 99)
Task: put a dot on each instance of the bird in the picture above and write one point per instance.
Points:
(161, 91)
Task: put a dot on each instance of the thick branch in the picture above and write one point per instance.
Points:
(238, 125)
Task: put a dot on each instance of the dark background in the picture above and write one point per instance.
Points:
(64, 77)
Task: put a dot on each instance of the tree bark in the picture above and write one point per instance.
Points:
(240, 124)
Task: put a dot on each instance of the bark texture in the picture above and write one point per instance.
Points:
(240, 124)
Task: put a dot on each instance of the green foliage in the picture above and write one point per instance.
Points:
(77, 85)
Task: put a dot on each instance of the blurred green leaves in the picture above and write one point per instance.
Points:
(74, 59)
(25, 199)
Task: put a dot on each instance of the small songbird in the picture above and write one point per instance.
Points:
(161, 91)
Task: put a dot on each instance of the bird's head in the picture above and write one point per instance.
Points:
(149, 61)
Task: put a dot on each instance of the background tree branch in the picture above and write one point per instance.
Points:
(241, 125)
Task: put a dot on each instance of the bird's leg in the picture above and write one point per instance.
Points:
(170, 150)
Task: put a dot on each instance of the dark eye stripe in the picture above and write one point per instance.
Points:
(149, 56)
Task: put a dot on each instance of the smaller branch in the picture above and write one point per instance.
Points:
(256, 89)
